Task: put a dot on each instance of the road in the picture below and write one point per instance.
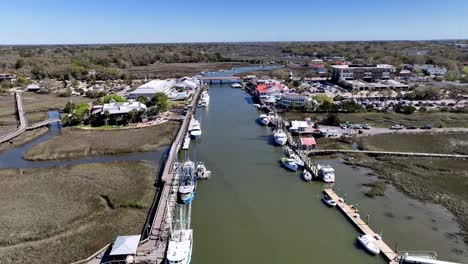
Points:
(380, 130)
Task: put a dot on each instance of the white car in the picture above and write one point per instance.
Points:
(396, 127)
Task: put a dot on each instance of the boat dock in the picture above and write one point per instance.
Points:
(351, 214)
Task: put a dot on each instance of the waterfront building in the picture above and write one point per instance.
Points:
(269, 89)
(364, 72)
(296, 100)
(150, 88)
(118, 108)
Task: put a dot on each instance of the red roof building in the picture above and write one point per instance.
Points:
(308, 143)
(269, 89)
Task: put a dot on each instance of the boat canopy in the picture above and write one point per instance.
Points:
(125, 245)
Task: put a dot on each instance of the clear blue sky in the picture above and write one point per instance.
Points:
(136, 21)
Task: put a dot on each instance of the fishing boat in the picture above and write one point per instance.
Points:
(201, 172)
(236, 85)
(264, 120)
(204, 99)
(329, 201)
(289, 163)
(187, 185)
(306, 175)
(288, 151)
(179, 249)
(327, 173)
(280, 137)
(297, 159)
(369, 243)
(195, 129)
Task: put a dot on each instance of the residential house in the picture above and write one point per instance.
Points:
(117, 108)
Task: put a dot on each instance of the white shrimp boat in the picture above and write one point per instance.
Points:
(289, 163)
(204, 99)
(179, 249)
(186, 192)
(327, 173)
(264, 120)
(306, 175)
(201, 172)
(280, 137)
(369, 243)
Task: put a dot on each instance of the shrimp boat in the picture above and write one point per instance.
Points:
(289, 163)
(327, 173)
(369, 243)
(306, 175)
(187, 185)
(195, 129)
(179, 249)
(280, 137)
(201, 172)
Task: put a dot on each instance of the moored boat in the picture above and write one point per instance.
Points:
(288, 151)
(186, 192)
(327, 173)
(179, 249)
(280, 137)
(297, 159)
(236, 85)
(289, 163)
(204, 99)
(369, 244)
(201, 172)
(306, 175)
(195, 129)
(329, 201)
(264, 120)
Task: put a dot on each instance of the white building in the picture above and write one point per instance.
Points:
(33, 87)
(149, 89)
(296, 100)
(434, 70)
(116, 108)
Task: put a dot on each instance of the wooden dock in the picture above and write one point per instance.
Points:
(362, 226)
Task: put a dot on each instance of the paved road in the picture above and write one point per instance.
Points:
(379, 130)
(388, 153)
(22, 120)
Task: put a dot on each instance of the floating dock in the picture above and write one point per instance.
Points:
(351, 214)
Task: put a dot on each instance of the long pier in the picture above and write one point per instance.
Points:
(388, 153)
(385, 250)
(23, 122)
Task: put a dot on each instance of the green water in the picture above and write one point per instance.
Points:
(254, 211)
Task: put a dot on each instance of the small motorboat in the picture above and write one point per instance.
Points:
(289, 163)
(329, 201)
(201, 172)
(306, 175)
(236, 85)
(280, 137)
(264, 120)
(195, 130)
(297, 159)
(369, 243)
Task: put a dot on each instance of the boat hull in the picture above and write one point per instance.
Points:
(186, 198)
(289, 166)
(371, 248)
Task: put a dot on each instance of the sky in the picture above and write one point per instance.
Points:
(163, 21)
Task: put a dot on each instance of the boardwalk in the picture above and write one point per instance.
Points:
(23, 122)
(43, 123)
(389, 153)
(350, 213)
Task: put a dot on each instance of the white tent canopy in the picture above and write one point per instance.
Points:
(125, 245)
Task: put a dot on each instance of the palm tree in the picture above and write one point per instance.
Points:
(107, 115)
(133, 115)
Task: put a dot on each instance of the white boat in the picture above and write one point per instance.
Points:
(273, 118)
(179, 250)
(306, 175)
(280, 137)
(186, 192)
(329, 201)
(327, 173)
(195, 129)
(204, 99)
(236, 85)
(264, 120)
(288, 151)
(297, 159)
(369, 243)
(289, 163)
(201, 172)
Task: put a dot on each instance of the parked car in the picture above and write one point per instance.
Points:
(412, 127)
(426, 127)
(366, 126)
(396, 127)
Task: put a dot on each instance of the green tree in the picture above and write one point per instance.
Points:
(144, 100)
(69, 107)
(160, 100)
(133, 115)
(107, 115)
(114, 97)
(332, 119)
(19, 64)
(321, 98)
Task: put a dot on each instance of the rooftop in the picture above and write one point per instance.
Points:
(125, 245)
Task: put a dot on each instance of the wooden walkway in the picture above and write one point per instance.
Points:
(388, 153)
(43, 123)
(346, 209)
(23, 122)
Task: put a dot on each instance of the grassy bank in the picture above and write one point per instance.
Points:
(74, 143)
(24, 138)
(442, 181)
(7, 113)
(389, 119)
(63, 214)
